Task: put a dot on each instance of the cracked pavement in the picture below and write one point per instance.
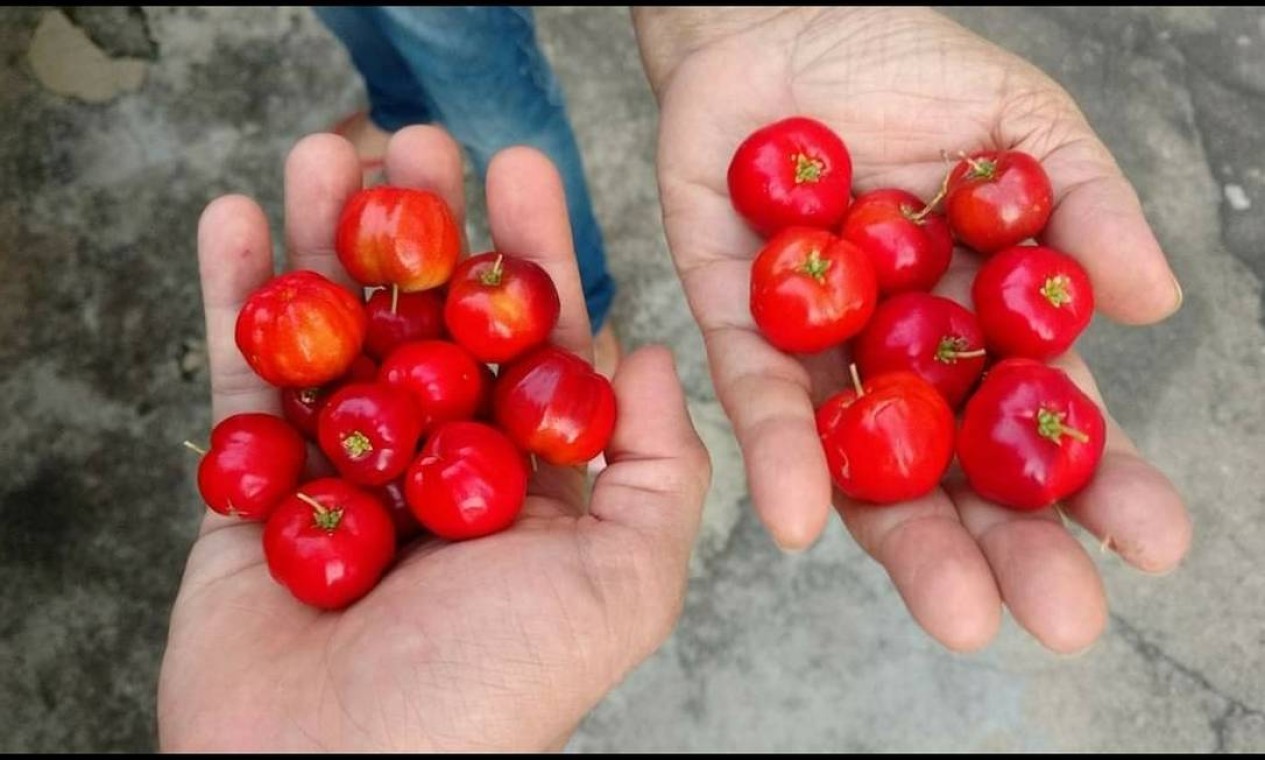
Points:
(121, 123)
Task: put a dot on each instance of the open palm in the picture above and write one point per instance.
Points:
(901, 86)
(499, 643)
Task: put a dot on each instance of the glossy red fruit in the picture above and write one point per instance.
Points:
(300, 330)
(416, 316)
(1029, 436)
(329, 543)
(446, 382)
(997, 199)
(810, 290)
(369, 432)
(793, 172)
(1032, 301)
(555, 405)
(933, 337)
(499, 307)
(889, 444)
(398, 236)
(302, 406)
(254, 461)
(908, 244)
(469, 481)
(392, 497)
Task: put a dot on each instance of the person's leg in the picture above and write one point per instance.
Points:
(491, 86)
(395, 98)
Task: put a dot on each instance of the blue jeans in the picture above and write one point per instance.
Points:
(477, 71)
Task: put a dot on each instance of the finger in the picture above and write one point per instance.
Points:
(767, 396)
(1129, 505)
(1046, 579)
(658, 471)
(234, 259)
(527, 214)
(321, 173)
(935, 564)
(427, 158)
(1098, 219)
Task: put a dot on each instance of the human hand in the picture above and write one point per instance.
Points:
(901, 85)
(501, 643)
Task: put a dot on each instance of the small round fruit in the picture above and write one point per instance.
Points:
(446, 382)
(416, 316)
(1029, 436)
(302, 406)
(499, 307)
(254, 461)
(555, 405)
(997, 199)
(369, 432)
(1032, 301)
(300, 330)
(908, 244)
(469, 481)
(889, 443)
(933, 337)
(398, 236)
(810, 290)
(793, 172)
(329, 543)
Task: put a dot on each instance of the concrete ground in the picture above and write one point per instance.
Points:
(120, 124)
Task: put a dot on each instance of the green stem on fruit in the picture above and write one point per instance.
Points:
(1050, 425)
(952, 348)
(326, 519)
(807, 169)
(492, 277)
(395, 297)
(1055, 290)
(357, 445)
(856, 379)
(815, 266)
(981, 168)
(195, 447)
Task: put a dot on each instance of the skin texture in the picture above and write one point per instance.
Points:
(499, 308)
(248, 667)
(300, 330)
(1029, 436)
(997, 199)
(795, 172)
(909, 250)
(254, 460)
(555, 405)
(398, 236)
(369, 432)
(810, 290)
(468, 481)
(934, 337)
(417, 316)
(1032, 301)
(900, 85)
(888, 442)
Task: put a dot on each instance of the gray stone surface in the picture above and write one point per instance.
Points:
(102, 374)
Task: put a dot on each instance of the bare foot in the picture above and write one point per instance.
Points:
(606, 351)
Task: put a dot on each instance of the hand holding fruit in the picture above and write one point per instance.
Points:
(900, 86)
(468, 628)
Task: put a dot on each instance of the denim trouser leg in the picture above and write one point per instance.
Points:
(395, 98)
(485, 79)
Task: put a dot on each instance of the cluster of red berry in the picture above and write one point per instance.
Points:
(832, 272)
(398, 394)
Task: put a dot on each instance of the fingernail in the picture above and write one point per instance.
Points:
(1180, 296)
